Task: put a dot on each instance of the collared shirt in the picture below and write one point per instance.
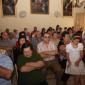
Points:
(5, 62)
(42, 47)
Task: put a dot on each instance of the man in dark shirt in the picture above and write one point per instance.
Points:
(29, 65)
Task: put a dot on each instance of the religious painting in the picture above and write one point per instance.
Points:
(67, 7)
(8, 7)
(39, 6)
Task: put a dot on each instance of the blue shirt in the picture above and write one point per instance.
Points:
(5, 62)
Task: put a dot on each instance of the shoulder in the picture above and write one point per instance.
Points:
(51, 42)
(80, 45)
(21, 56)
(21, 61)
(37, 56)
(68, 45)
(5, 58)
(41, 43)
(6, 62)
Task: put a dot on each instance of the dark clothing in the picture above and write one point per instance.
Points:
(34, 77)
(62, 61)
(16, 52)
(54, 66)
(41, 83)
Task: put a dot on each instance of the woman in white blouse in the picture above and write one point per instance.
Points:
(75, 65)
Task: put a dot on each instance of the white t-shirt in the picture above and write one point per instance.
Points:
(74, 53)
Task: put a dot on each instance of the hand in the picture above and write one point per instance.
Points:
(77, 63)
(32, 64)
(27, 64)
(24, 69)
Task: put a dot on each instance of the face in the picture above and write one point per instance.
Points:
(70, 31)
(66, 38)
(27, 52)
(46, 38)
(76, 41)
(22, 41)
(62, 48)
(55, 36)
(25, 30)
(50, 33)
(5, 36)
(35, 28)
(38, 34)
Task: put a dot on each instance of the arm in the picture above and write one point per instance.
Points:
(53, 52)
(80, 58)
(68, 59)
(48, 53)
(36, 65)
(5, 73)
(43, 55)
(32, 66)
(26, 68)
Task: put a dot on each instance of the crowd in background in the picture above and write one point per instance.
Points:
(37, 51)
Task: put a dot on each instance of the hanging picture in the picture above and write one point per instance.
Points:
(67, 7)
(8, 7)
(39, 6)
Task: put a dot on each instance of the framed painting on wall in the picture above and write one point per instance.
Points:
(67, 7)
(8, 7)
(0, 8)
(39, 6)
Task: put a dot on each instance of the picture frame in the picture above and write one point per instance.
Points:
(39, 6)
(0, 9)
(8, 8)
(67, 7)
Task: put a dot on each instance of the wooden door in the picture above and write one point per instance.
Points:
(80, 21)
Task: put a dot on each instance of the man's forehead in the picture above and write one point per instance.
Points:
(27, 49)
(46, 34)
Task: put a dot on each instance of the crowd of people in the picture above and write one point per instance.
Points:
(34, 53)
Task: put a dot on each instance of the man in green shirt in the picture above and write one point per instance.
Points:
(29, 68)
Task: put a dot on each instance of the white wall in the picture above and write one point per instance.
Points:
(39, 20)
